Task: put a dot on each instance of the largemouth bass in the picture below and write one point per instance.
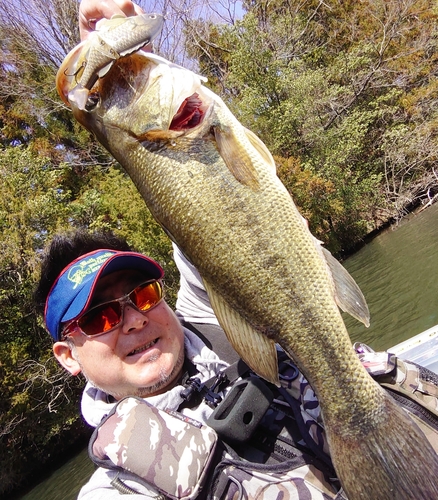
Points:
(213, 187)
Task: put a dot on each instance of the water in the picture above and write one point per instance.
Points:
(65, 482)
(397, 273)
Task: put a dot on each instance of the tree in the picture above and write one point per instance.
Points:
(346, 89)
(38, 409)
(32, 204)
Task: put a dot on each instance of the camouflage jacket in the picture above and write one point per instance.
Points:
(179, 458)
(172, 456)
(168, 454)
(96, 405)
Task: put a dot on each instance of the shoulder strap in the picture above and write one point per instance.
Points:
(215, 339)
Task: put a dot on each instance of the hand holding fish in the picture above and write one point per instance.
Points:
(92, 11)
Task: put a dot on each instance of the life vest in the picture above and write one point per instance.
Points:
(413, 386)
(261, 442)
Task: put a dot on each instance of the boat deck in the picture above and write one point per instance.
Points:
(421, 349)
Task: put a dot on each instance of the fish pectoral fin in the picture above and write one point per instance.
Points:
(258, 351)
(348, 295)
(260, 147)
(236, 157)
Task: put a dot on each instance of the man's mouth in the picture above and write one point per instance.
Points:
(143, 347)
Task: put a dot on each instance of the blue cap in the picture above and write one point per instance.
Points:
(71, 293)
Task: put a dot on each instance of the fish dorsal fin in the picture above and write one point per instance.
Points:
(258, 352)
(236, 157)
(260, 147)
(348, 295)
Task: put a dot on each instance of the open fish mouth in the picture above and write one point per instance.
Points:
(189, 114)
(188, 101)
(67, 72)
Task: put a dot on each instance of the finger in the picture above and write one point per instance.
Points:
(128, 7)
(138, 9)
(92, 11)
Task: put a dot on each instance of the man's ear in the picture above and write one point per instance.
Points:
(65, 357)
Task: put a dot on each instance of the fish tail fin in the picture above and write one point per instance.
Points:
(393, 460)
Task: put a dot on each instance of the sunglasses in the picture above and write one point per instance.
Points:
(107, 316)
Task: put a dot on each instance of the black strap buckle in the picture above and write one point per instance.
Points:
(193, 386)
(212, 398)
(211, 394)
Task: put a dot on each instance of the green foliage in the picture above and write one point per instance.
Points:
(31, 205)
(53, 177)
(38, 408)
(346, 89)
(344, 94)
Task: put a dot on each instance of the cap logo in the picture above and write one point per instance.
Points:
(78, 274)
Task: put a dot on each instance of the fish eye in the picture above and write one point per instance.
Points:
(92, 101)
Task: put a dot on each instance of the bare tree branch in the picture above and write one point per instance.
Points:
(49, 28)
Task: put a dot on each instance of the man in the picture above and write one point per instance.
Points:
(105, 309)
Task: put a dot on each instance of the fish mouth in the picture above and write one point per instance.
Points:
(67, 72)
(189, 114)
(144, 347)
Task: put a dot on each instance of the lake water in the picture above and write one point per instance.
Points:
(397, 273)
(65, 482)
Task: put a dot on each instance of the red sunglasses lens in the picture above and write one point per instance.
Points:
(101, 319)
(146, 296)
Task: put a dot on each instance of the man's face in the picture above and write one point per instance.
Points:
(143, 356)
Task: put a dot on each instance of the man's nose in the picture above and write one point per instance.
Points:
(133, 319)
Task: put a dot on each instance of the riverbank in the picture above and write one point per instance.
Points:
(410, 210)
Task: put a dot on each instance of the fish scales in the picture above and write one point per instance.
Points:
(199, 203)
(213, 187)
